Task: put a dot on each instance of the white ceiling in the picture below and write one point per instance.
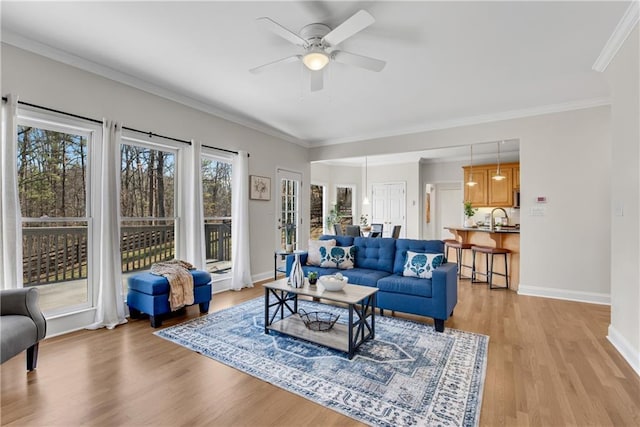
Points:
(447, 62)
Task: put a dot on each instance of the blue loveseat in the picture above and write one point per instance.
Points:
(380, 263)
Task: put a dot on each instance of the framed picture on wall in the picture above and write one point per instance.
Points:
(259, 187)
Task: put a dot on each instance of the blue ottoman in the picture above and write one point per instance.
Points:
(149, 293)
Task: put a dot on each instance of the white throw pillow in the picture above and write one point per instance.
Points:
(338, 257)
(314, 257)
(421, 264)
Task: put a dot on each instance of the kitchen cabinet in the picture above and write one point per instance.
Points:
(500, 192)
(488, 192)
(476, 194)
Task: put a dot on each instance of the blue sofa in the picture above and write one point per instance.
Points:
(379, 262)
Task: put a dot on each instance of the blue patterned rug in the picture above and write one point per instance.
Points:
(409, 375)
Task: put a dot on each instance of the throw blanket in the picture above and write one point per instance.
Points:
(180, 281)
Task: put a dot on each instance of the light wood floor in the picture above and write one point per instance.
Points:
(549, 365)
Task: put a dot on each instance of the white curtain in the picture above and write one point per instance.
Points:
(241, 258)
(110, 310)
(10, 217)
(191, 227)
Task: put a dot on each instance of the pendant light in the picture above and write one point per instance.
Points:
(471, 182)
(365, 201)
(498, 176)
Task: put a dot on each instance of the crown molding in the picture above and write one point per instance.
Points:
(476, 120)
(616, 40)
(67, 58)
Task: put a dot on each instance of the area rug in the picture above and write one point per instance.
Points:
(409, 375)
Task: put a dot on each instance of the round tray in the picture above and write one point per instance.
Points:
(318, 320)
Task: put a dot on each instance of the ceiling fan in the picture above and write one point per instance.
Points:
(319, 43)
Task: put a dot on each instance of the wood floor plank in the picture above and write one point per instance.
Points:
(549, 364)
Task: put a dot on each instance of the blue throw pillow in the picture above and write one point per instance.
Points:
(421, 264)
(337, 257)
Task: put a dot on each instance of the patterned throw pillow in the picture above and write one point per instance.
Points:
(314, 257)
(339, 256)
(421, 265)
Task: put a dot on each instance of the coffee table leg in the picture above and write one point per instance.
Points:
(350, 328)
(266, 310)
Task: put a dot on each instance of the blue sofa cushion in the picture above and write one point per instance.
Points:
(404, 245)
(364, 276)
(421, 264)
(375, 253)
(322, 271)
(340, 240)
(342, 257)
(152, 284)
(399, 284)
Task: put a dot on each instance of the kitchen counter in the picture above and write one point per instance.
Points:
(508, 229)
(507, 237)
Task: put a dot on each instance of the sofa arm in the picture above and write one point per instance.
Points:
(23, 302)
(445, 289)
(292, 257)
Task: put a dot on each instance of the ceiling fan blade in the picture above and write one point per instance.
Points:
(261, 68)
(317, 80)
(358, 22)
(365, 62)
(278, 29)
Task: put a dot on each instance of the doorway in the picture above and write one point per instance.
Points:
(448, 208)
(388, 207)
(288, 218)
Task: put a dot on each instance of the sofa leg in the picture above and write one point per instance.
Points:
(451, 315)
(382, 312)
(32, 357)
(439, 324)
(204, 307)
(134, 313)
(156, 321)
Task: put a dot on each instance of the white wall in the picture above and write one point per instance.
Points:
(41, 81)
(564, 156)
(622, 75)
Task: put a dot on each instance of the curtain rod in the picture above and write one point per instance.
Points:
(222, 149)
(150, 134)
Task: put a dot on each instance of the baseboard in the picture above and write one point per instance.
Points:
(565, 294)
(631, 355)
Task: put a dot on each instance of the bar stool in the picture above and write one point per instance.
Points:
(490, 253)
(459, 247)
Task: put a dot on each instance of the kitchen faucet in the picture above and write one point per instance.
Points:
(492, 223)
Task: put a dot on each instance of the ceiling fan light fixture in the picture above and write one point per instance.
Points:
(315, 59)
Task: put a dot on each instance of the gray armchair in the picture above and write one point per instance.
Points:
(22, 324)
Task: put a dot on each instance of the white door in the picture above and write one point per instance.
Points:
(288, 218)
(388, 207)
(448, 209)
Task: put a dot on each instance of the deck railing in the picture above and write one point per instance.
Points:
(58, 254)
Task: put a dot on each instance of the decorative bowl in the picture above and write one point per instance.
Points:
(318, 320)
(333, 282)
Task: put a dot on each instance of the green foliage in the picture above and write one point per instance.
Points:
(334, 216)
(469, 211)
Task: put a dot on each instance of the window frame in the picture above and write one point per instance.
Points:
(55, 122)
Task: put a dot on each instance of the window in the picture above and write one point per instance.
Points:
(53, 185)
(147, 200)
(216, 198)
(288, 206)
(344, 204)
(316, 215)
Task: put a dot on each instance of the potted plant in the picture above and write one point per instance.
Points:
(333, 217)
(289, 229)
(364, 223)
(313, 277)
(469, 212)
